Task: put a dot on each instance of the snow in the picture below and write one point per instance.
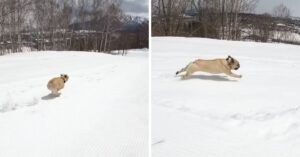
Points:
(286, 36)
(280, 24)
(219, 116)
(102, 111)
(278, 35)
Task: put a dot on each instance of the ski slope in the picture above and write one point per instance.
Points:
(102, 111)
(219, 116)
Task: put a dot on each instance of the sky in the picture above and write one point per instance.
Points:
(140, 7)
(136, 7)
(268, 5)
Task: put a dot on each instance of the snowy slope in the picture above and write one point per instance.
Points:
(218, 116)
(102, 111)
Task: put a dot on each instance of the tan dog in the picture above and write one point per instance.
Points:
(57, 83)
(215, 66)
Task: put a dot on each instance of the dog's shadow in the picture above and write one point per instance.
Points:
(212, 77)
(50, 96)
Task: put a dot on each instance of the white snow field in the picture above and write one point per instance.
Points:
(218, 116)
(101, 112)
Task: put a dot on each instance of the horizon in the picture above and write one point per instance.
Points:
(267, 6)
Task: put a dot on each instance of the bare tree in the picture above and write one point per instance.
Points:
(89, 25)
(111, 22)
(215, 18)
(281, 11)
(282, 33)
(169, 13)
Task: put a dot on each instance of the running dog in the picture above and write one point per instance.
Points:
(57, 83)
(215, 66)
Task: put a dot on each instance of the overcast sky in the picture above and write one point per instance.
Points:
(268, 5)
(140, 7)
(136, 7)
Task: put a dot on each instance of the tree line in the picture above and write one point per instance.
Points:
(81, 25)
(220, 19)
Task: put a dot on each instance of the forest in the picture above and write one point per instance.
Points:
(78, 25)
(224, 19)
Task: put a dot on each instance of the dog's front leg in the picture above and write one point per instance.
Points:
(233, 74)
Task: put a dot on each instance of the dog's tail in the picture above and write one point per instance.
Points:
(182, 70)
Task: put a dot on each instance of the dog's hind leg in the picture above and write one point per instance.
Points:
(189, 71)
(187, 74)
(183, 69)
(180, 71)
(54, 92)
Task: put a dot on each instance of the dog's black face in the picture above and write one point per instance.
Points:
(233, 63)
(238, 66)
(65, 77)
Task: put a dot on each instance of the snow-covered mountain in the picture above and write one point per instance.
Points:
(102, 111)
(219, 116)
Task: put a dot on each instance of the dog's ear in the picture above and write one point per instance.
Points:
(232, 61)
(228, 58)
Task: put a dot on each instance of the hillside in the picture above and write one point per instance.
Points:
(102, 111)
(219, 116)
